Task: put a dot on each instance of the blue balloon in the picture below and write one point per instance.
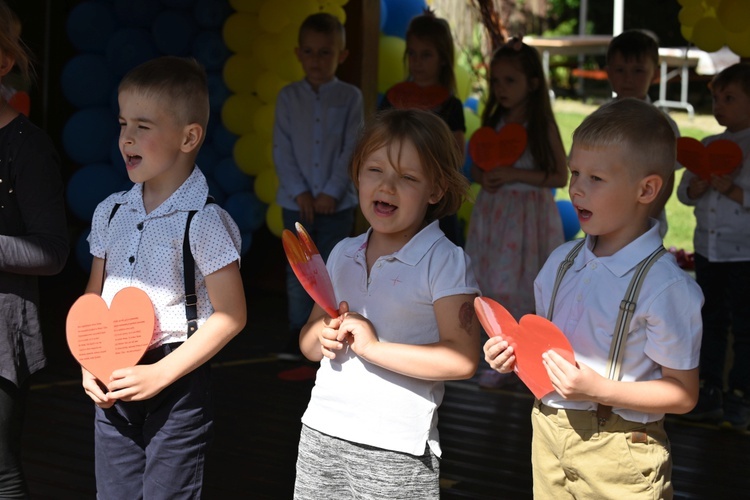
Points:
(88, 134)
(129, 47)
(247, 211)
(207, 158)
(87, 81)
(230, 178)
(115, 159)
(83, 251)
(89, 26)
(210, 50)
(173, 32)
(222, 139)
(467, 163)
(383, 14)
(88, 186)
(137, 13)
(472, 103)
(211, 14)
(215, 191)
(400, 13)
(247, 241)
(218, 92)
(569, 217)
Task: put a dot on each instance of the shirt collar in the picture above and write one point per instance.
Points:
(323, 87)
(411, 253)
(191, 195)
(627, 257)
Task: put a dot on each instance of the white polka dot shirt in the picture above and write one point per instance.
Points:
(145, 250)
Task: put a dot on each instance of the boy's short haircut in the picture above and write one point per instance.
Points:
(436, 147)
(736, 73)
(325, 23)
(637, 126)
(179, 82)
(634, 44)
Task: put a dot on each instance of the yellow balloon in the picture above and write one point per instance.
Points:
(237, 110)
(739, 43)
(249, 153)
(240, 32)
(300, 9)
(463, 81)
(335, 10)
(687, 3)
(712, 3)
(734, 15)
(289, 69)
(274, 219)
(472, 120)
(263, 119)
(266, 185)
(274, 16)
(708, 34)
(687, 33)
(251, 6)
(390, 62)
(688, 16)
(240, 73)
(268, 85)
(269, 49)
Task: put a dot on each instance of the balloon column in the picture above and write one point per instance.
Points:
(261, 35)
(712, 24)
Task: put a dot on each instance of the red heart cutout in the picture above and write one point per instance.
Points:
(104, 339)
(409, 95)
(490, 149)
(720, 157)
(530, 338)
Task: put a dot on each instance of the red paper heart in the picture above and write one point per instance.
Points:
(409, 95)
(530, 338)
(720, 157)
(104, 339)
(490, 149)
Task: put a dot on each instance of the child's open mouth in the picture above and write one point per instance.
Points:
(384, 208)
(583, 214)
(132, 161)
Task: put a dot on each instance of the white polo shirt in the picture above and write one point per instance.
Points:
(145, 250)
(665, 329)
(364, 403)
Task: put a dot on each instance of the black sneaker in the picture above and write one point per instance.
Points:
(736, 410)
(709, 406)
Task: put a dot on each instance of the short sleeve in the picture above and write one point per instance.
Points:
(99, 223)
(215, 239)
(451, 273)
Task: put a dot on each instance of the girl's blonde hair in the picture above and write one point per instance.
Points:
(539, 116)
(11, 43)
(437, 150)
(437, 31)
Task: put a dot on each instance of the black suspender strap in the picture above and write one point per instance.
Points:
(104, 268)
(188, 266)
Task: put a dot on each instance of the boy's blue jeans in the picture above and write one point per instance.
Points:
(726, 291)
(325, 231)
(155, 448)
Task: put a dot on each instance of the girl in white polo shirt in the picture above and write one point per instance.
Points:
(407, 321)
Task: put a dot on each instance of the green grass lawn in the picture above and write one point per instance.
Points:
(680, 217)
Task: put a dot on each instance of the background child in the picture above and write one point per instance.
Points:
(34, 242)
(317, 123)
(722, 256)
(515, 223)
(370, 426)
(430, 57)
(632, 63)
(154, 420)
(596, 437)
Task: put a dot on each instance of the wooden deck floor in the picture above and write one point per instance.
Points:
(485, 434)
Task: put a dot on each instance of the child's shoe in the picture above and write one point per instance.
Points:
(736, 410)
(709, 406)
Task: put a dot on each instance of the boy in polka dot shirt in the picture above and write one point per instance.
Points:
(153, 421)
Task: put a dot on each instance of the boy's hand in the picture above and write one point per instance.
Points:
(306, 204)
(697, 187)
(329, 341)
(325, 204)
(499, 354)
(572, 382)
(358, 332)
(94, 390)
(136, 383)
(722, 183)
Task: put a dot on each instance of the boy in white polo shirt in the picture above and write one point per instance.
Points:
(601, 433)
(153, 421)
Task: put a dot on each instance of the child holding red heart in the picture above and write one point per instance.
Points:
(406, 322)
(722, 257)
(431, 86)
(631, 315)
(515, 223)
